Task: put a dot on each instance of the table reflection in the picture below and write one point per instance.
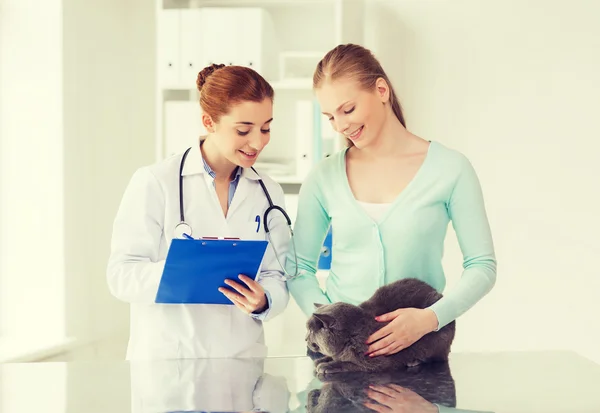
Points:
(242, 385)
(206, 385)
(511, 382)
(416, 389)
(422, 389)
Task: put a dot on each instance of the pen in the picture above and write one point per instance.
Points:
(187, 236)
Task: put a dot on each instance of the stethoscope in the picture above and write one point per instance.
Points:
(184, 228)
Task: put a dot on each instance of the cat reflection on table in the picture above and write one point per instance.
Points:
(419, 389)
(337, 333)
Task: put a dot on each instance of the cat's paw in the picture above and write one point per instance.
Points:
(326, 359)
(322, 360)
(331, 368)
(321, 367)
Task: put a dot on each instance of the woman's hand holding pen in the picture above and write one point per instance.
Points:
(251, 297)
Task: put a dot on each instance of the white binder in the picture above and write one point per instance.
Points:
(304, 137)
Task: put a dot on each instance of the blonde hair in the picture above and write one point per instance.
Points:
(356, 62)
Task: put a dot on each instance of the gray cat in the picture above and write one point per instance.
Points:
(338, 332)
(348, 392)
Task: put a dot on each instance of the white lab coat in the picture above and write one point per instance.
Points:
(142, 231)
(206, 385)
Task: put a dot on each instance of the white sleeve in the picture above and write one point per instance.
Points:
(271, 276)
(134, 270)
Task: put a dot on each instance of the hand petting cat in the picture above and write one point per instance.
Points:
(251, 297)
(406, 326)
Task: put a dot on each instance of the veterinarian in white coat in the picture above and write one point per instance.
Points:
(221, 198)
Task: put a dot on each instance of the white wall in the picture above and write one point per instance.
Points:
(31, 169)
(109, 131)
(77, 117)
(514, 85)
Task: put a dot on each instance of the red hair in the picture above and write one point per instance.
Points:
(223, 86)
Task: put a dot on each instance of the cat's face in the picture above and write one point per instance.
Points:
(331, 326)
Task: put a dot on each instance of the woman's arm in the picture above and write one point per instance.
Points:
(310, 229)
(134, 269)
(469, 219)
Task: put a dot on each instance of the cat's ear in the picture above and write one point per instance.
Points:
(327, 320)
(317, 305)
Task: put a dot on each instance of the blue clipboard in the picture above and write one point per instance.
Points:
(196, 268)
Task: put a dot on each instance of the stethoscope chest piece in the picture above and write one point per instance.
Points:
(182, 228)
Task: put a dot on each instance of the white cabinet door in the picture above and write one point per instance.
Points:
(193, 53)
(218, 41)
(191, 39)
(248, 46)
(168, 52)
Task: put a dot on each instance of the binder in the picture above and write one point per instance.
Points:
(196, 268)
(168, 55)
(305, 141)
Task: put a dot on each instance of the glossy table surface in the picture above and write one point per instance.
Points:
(494, 382)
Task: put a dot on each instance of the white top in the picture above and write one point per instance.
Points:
(375, 211)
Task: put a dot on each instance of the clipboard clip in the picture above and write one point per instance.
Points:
(210, 238)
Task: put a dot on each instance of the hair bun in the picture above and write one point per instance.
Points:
(205, 73)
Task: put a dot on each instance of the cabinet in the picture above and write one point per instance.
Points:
(282, 40)
(191, 39)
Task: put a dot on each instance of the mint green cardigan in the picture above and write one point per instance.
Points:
(407, 242)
